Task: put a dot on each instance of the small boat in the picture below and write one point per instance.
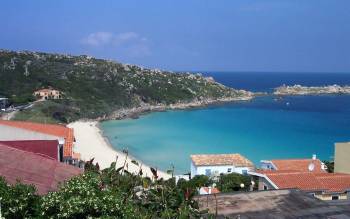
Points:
(287, 103)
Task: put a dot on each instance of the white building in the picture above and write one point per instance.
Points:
(3, 103)
(216, 164)
(19, 130)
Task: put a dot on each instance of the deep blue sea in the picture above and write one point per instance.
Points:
(259, 129)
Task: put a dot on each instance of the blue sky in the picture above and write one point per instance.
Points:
(203, 35)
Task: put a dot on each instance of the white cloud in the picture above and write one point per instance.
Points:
(98, 39)
(129, 42)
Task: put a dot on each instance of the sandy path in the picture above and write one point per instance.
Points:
(91, 144)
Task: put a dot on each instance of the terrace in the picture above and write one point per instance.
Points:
(271, 204)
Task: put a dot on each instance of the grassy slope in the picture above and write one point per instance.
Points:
(94, 87)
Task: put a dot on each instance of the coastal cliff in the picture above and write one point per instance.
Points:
(102, 89)
(303, 90)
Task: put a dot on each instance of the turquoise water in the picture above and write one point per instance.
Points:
(258, 129)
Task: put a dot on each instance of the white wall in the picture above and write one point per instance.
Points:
(266, 165)
(201, 170)
(263, 182)
(8, 133)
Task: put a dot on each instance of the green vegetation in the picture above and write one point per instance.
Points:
(330, 165)
(109, 193)
(232, 182)
(18, 201)
(94, 87)
(45, 112)
(112, 193)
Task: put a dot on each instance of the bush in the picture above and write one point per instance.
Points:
(19, 200)
(232, 182)
(109, 193)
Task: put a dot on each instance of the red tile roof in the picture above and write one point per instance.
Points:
(49, 129)
(297, 164)
(45, 90)
(221, 159)
(213, 190)
(30, 168)
(309, 181)
(47, 148)
(335, 182)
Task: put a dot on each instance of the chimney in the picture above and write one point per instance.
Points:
(314, 157)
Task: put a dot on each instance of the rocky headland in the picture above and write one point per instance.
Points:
(317, 90)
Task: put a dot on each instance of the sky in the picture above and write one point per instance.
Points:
(187, 35)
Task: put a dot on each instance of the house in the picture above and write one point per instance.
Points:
(48, 93)
(30, 168)
(282, 204)
(216, 164)
(19, 130)
(308, 175)
(294, 164)
(208, 190)
(3, 103)
(46, 148)
(342, 158)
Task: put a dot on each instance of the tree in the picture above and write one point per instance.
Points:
(330, 166)
(232, 182)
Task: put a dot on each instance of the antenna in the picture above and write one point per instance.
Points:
(311, 167)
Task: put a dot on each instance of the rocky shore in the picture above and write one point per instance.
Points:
(145, 107)
(304, 90)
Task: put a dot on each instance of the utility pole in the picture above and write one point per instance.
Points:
(0, 211)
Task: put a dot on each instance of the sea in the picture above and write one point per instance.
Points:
(260, 129)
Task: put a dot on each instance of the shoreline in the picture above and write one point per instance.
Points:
(135, 112)
(91, 143)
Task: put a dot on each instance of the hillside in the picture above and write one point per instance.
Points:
(95, 88)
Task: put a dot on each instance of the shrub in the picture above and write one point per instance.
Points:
(19, 200)
(232, 182)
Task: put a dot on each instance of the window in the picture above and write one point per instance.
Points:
(265, 187)
(207, 172)
(244, 172)
(229, 170)
(335, 197)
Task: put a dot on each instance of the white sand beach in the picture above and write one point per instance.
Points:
(90, 143)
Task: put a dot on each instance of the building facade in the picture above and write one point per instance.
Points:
(48, 148)
(216, 164)
(18, 130)
(342, 158)
(45, 94)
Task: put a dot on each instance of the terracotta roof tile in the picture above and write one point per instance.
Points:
(30, 168)
(45, 90)
(49, 129)
(221, 159)
(335, 182)
(213, 190)
(309, 181)
(297, 164)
